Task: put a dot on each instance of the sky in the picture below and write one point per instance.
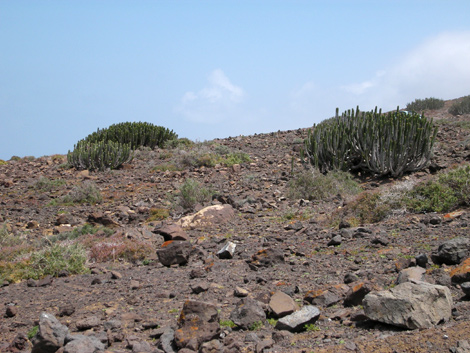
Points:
(213, 69)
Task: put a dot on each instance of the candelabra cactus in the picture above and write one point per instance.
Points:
(384, 144)
(135, 134)
(99, 155)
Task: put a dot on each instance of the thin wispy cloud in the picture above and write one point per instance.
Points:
(216, 102)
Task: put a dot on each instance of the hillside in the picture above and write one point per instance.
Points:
(127, 298)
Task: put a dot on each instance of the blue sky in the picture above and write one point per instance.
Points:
(213, 69)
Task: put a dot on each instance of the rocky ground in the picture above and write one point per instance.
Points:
(281, 254)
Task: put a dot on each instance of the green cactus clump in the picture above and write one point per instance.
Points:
(461, 107)
(135, 134)
(428, 103)
(384, 144)
(99, 155)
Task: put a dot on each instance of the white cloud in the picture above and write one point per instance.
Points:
(216, 102)
(439, 68)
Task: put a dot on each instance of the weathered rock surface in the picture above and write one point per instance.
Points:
(296, 322)
(208, 216)
(281, 304)
(247, 313)
(452, 252)
(174, 252)
(413, 305)
(198, 323)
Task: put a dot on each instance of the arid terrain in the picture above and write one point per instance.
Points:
(123, 299)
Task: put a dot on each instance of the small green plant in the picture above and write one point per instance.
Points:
(178, 143)
(257, 325)
(461, 107)
(272, 322)
(192, 193)
(33, 332)
(2, 162)
(422, 104)
(158, 214)
(236, 158)
(227, 323)
(311, 327)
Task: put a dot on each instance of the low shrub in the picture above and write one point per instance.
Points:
(87, 192)
(314, 186)
(158, 214)
(119, 247)
(422, 104)
(46, 184)
(448, 192)
(193, 193)
(461, 107)
(48, 261)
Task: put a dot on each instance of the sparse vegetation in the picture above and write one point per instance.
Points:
(448, 192)
(423, 104)
(461, 107)
(227, 323)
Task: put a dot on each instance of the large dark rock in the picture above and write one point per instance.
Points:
(247, 313)
(198, 323)
(174, 253)
(83, 344)
(51, 334)
(452, 252)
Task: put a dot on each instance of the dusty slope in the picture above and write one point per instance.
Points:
(264, 218)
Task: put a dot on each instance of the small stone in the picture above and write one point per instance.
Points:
(227, 251)
(115, 275)
(335, 241)
(11, 311)
(465, 288)
(240, 292)
(199, 287)
(422, 260)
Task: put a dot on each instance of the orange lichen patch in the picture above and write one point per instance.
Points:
(314, 293)
(357, 287)
(461, 270)
(455, 214)
(165, 244)
(281, 283)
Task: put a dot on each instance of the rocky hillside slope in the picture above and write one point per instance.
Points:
(235, 277)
